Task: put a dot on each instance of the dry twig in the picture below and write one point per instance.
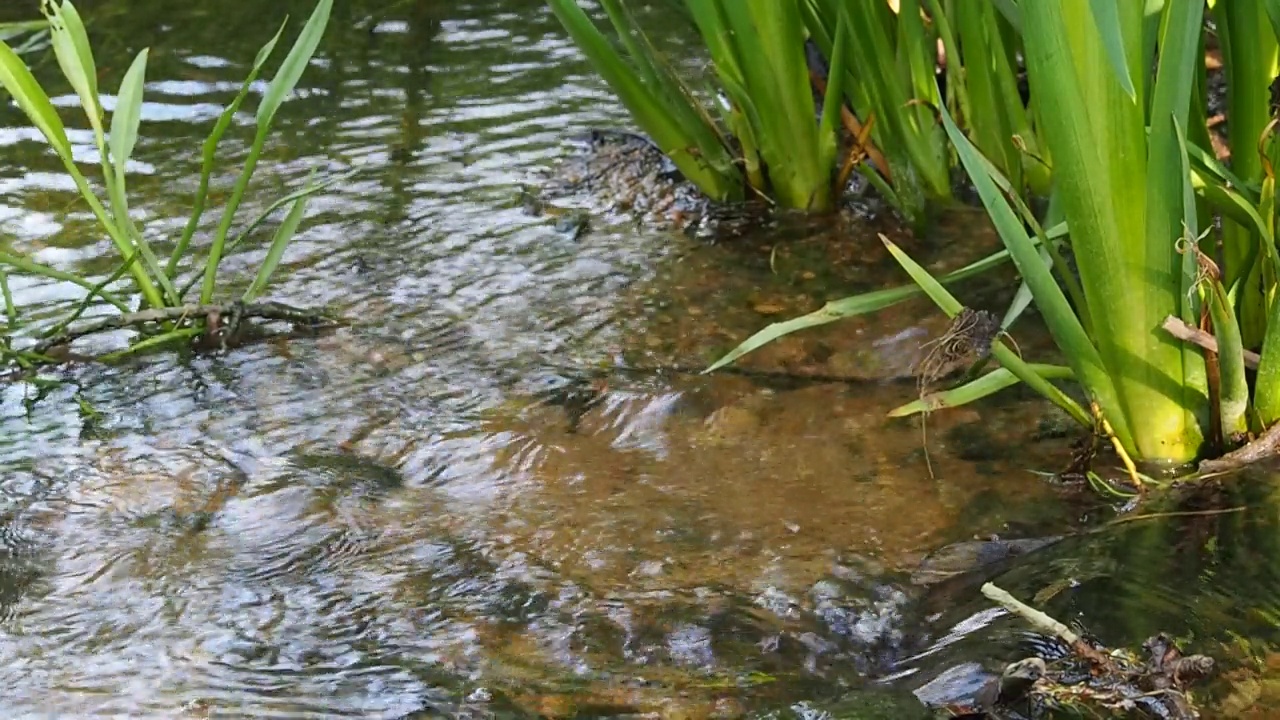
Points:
(1182, 331)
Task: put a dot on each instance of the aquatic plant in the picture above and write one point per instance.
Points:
(874, 63)
(759, 134)
(163, 298)
(1123, 176)
(1156, 319)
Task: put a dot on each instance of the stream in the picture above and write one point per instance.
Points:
(502, 489)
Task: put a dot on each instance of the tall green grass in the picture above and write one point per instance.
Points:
(767, 137)
(1114, 130)
(156, 281)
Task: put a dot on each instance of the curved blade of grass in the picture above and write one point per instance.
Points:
(125, 120)
(1009, 9)
(210, 147)
(655, 114)
(955, 81)
(833, 101)
(1107, 19)
(75, 57)
(1055, 258)
(290, 72)
(679, 100)
(127, 116)
(1005, 356)
(1206, 164)
(851, 307)
(33, 101)
(1266, 399)
(1195, 372)
(1273, 14)
(172, 336)
(862, 304)
(1229, 202)
(279, 241)
(974, 390)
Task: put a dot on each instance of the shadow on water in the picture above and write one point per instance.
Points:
(504, 489)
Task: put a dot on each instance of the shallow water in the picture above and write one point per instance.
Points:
(503, 488)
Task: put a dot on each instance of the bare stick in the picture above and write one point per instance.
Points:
(1044, 623)
(265, 311)
(1266, 446)
(1179, 329)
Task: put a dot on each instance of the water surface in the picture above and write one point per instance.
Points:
(503, 487)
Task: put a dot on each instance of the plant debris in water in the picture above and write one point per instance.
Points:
(1075, 675)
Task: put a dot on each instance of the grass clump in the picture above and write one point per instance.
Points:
(160, 301)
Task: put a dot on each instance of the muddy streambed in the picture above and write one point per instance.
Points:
(459, 504)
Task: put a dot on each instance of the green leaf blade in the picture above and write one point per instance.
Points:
(127, 116)
(290, 72)
(978, 389)
(279, 242)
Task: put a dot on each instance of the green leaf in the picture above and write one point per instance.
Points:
(833, 101)
(665, 114)
(75, 57)
(851, 307)
(127, 115)
(295, 63)
(1194, 370)
(1107, 19)
(288, 75)
(32, 267)
(279, 241)
(974, 390)
(124, 135)
(1233, 386)
(10, 310)
(1009, 9)
(1273, 14)
(24, 89)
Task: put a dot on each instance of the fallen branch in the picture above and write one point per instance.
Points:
(1267, 445)
(210, 313)
(1182, 331)
(1046, 624)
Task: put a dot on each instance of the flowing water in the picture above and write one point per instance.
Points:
(503, 489)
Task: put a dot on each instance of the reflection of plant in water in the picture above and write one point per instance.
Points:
(166, 314)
